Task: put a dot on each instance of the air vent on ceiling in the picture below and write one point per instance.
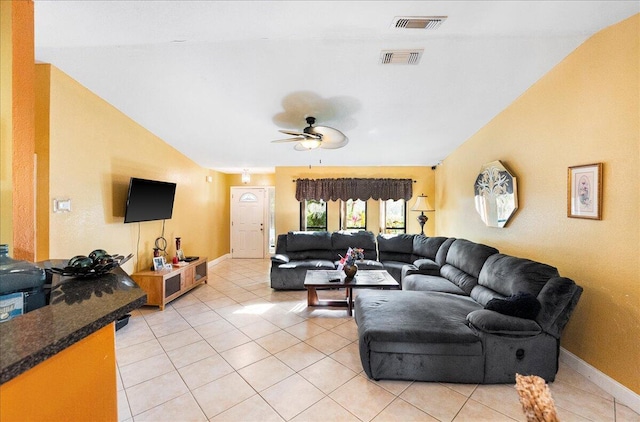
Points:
(418, 22)
(400, 56)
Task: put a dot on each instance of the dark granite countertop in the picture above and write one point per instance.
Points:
(78, 307)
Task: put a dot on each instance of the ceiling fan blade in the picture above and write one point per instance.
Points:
(291, 132)
(305, 134)
(331, 136)
(296, 139)
(334, 145)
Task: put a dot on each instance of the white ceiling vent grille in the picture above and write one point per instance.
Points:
(400, 56)
(418, 22)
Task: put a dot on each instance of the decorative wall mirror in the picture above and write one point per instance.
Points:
(496, 194)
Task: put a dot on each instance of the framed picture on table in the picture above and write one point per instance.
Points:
(158, 263)
(584, 191)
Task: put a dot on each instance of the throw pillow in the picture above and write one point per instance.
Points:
(521, 305)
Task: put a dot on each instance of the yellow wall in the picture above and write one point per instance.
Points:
(43, 204)
(256, 180)
(93, 151)
(288, 208)
(583, 111)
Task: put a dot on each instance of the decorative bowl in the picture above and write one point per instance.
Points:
(101, 264)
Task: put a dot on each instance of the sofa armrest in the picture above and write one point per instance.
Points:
(493, 322)
(410, 269)
(280, 259)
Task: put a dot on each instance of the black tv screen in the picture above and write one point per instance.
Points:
(149, 200)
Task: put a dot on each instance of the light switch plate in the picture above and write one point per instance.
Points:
(62, 205)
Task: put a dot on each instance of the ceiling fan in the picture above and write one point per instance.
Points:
(313, 137)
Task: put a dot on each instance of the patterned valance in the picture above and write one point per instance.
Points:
(345, 189)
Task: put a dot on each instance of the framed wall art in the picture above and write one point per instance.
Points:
(584, 191)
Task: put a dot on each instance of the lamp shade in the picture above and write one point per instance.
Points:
(422, 204)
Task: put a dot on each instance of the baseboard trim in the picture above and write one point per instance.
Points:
(218, 260)
(608, 384)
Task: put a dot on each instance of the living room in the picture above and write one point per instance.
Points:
(585, 110)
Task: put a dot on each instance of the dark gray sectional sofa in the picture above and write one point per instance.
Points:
(454, 319)
(438, 328)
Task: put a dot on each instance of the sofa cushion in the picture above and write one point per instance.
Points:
(441, 256)
(509, 275)
(495, 323)
(326, 254)
(469, 256)
(521, 305)
(304, 241)
(483, 295)
(386, 317)
(280, 259)
(430, 283)
(464, 262)
(427, 265)
(397, 247)
(454, 275)
(398, 243)
(405, 258)
(341, 241)
(426, 247)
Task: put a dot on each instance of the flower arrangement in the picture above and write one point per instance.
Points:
(350, 258)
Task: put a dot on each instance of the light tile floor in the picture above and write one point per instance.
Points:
(236, 350)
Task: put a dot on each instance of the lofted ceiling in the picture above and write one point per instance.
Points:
(217, 80)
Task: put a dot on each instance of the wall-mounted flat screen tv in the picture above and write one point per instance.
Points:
(149, 200)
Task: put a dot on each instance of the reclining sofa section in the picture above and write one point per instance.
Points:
(297, 252)
(437, 327)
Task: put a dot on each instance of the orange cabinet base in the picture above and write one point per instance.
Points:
(77, 384)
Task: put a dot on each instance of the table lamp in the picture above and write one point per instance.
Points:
(422, 204)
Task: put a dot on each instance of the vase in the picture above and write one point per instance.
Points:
(350, 270)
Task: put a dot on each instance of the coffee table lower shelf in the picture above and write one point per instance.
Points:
(333, 279)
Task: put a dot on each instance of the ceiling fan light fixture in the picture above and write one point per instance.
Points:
(313, 137)
(246, 177)
(310, 143)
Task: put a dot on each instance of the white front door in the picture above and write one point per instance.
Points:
(248, 222)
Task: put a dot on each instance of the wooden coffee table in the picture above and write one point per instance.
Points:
(327, 279)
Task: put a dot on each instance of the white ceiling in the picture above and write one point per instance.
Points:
(218, 79)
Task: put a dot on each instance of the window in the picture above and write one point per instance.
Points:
(248, 197)
(353, 215)
(313, 215)
(393, 216)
